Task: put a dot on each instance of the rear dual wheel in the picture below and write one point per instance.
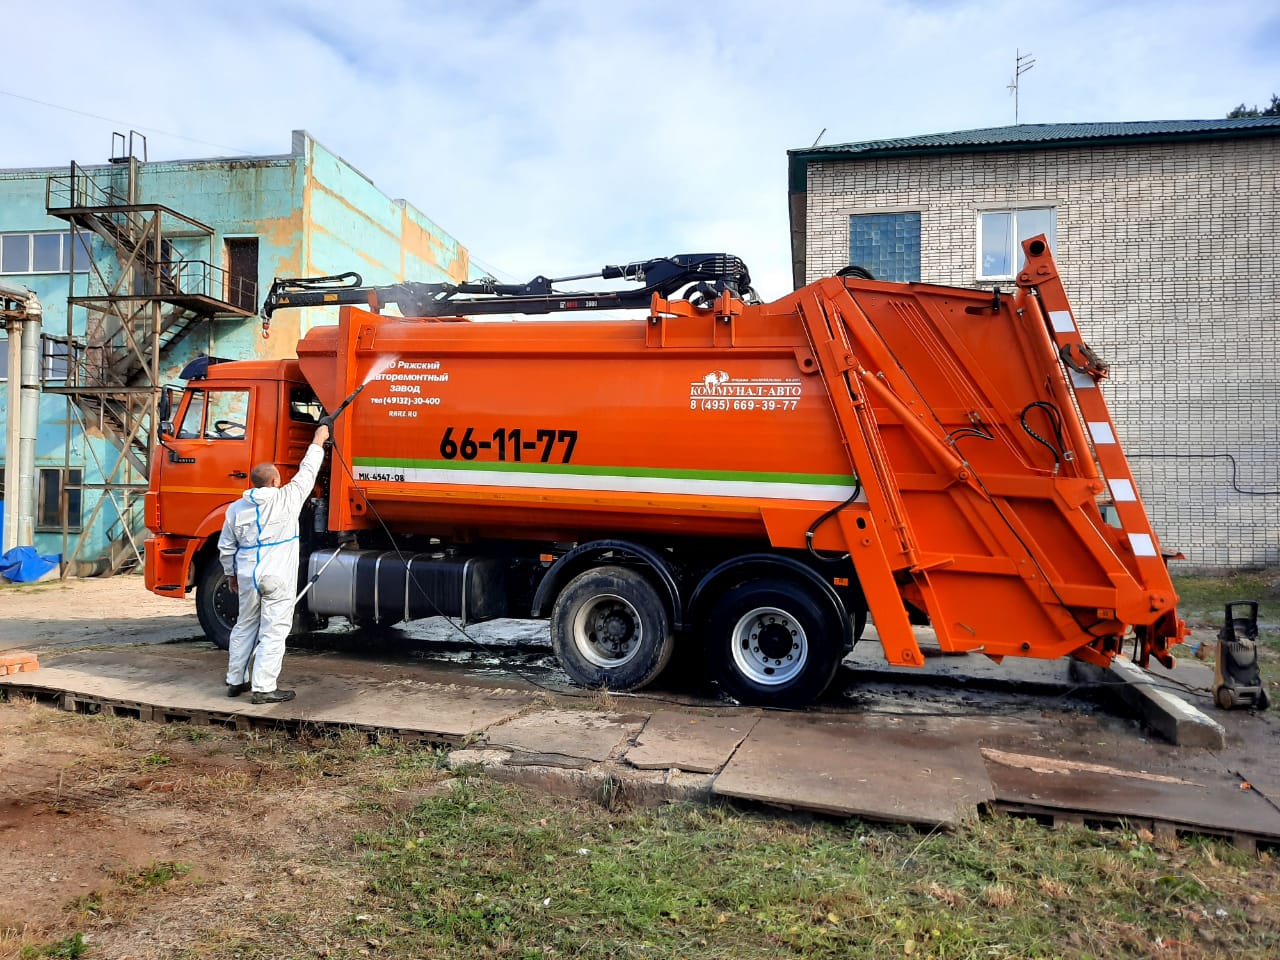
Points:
(610, 628)
(773, 643)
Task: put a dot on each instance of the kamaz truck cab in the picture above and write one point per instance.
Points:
(230, 417)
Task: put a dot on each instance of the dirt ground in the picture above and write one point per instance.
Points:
(163, 839)
(76, 613)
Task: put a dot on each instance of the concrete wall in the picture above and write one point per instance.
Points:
(1171, 257)
(397, 241)
(313, 214)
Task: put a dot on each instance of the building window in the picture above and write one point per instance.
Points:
(1000, 236)
(57, 357)
(59, 499)
(42, 252)
(887, 244)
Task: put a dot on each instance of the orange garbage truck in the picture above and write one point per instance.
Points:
(751, 480)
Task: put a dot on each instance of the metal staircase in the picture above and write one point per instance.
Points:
(140, 298)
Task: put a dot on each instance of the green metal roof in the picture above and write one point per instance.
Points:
(1034, 136)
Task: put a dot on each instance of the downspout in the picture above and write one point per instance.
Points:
(24, 415)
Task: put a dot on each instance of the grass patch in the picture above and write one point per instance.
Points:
(1202, 601)
(69, 948)
(487, 870)
(151, 877)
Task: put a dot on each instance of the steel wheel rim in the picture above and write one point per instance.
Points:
(607, 631)
(226, 605)
(757, 643)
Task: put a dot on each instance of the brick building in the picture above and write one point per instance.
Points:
(1166, 234)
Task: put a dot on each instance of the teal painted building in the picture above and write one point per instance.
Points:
(142, 266)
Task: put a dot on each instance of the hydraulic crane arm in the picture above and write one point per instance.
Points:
(706, 275)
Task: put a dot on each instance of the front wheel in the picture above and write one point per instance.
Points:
(773, 643)
(216, 606)
(609, 628)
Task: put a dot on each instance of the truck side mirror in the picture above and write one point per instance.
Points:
(166, 429)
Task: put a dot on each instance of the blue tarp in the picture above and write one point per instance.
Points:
(24, 565)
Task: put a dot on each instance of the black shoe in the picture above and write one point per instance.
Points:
(235, 689)
(273, 696)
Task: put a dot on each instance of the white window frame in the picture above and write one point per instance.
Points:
(1015, 248)
(64, 252)
(70, 357)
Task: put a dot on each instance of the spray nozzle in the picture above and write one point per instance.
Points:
(328, 420)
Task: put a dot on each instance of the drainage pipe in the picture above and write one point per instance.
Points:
(23, 417)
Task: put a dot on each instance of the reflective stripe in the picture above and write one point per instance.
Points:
(833, 492)
(1122, 491)
(257, 519)
(1082, 381)
(1062, 322)
(1142, 545)
(1101, 432)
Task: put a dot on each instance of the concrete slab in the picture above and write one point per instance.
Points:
(1157, 706)
(1210, 801)
(188, 680)
(682, 741)
(567, 738)
(855, 768)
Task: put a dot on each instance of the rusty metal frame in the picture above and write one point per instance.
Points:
(114, 381)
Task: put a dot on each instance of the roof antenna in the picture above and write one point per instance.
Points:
(1022, 62)
(817, 138)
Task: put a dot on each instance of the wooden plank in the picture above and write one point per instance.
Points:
(1218, 804)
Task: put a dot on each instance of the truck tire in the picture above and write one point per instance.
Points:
(772, 643)
(216, 606)
(610, 628)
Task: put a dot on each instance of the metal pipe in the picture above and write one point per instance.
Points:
(12, 446)
(23, 416)
(29, 425)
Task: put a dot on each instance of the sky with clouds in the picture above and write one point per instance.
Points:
(555, 136)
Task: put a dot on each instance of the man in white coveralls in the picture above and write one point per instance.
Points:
(259, 552)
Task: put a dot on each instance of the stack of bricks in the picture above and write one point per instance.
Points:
(17, 661)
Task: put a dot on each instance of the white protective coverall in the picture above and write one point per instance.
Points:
(259, 546)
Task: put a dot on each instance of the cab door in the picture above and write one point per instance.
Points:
(211, 454)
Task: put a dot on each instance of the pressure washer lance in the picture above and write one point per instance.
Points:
(326, 421)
